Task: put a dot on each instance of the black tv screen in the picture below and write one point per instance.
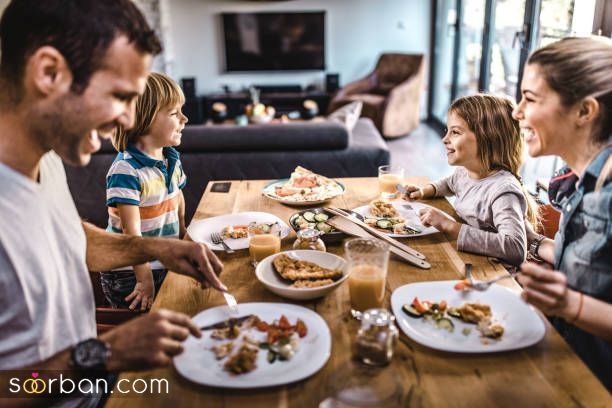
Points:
(274, 41)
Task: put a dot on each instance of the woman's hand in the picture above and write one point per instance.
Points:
(547, 290)
(412, 192)
(143, 293)
(440, 220)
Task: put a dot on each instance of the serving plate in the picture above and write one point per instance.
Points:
(268, 276)
(409, 211)
(197, 363)
(334, 236)
(270, 188)
(523, 326)
(200, 230)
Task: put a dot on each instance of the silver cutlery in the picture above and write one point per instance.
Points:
(216, 239)
(483, 285)
(232, 304)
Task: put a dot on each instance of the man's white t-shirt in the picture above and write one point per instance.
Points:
(46, 298)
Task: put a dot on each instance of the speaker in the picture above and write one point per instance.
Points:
(332, 82)
(194, 110)
(189, 87)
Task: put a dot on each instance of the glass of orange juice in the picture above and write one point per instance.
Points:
(263, 245)
(388, 178)
(367, 265)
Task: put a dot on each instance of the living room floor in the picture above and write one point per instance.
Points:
(421, 153)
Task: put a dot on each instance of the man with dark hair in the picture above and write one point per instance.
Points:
(70, 72)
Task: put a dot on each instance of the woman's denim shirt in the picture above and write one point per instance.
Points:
(583, 251)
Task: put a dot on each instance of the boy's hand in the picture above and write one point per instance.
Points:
(412, 192)
(143, 294)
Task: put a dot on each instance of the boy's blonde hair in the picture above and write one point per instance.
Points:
(498, 136)
(160, 92)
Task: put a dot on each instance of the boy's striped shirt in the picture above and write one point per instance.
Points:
(137, 179)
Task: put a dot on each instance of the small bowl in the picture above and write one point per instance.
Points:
(274, 283)
(261, 119)
(329, 237)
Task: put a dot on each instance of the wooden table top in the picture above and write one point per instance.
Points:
(546, 374)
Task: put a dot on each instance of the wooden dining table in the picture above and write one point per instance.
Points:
(546, 374)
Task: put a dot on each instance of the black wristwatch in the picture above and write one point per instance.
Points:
(534, 247)
(90, 354)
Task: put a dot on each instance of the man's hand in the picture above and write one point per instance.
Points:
(148, 341)
(191, 259)
(547, 290)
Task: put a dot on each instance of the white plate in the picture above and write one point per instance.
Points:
(269, 189)
(198, 364)
(273, 282)
(410, 215)
(523, 326)
(200, 230)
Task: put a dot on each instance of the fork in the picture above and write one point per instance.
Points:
(231, 303)
(483, 285)
(216, 239)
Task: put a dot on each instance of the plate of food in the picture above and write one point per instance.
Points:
(302, 274)
(303, 188)
(436, 315)
(269, 344)
(235, 228)
(397, 218)
(316, 218)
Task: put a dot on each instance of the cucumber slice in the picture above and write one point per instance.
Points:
(321, 217)
(309, 216)
(445, 323)
(384, 223)
(324, 228)
(411, 311)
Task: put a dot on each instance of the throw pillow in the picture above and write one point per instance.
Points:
(347, 115)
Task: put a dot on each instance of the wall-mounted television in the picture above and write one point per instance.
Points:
(274, 41)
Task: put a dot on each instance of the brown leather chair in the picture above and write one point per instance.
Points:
(391, 94)
(106, 316)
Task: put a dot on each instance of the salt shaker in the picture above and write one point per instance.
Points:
(377, 337)
(309, 238)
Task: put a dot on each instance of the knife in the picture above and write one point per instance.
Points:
(233, 321)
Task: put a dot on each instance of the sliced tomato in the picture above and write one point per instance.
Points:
(421, 307)
(262, 326)
(283, 323)
(462, 285)
(442, 305)
(300, 328)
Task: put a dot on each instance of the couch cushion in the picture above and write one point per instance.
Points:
(324, 135)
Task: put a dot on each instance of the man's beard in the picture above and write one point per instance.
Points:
(60, 128)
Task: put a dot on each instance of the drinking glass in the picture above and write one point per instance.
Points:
(367, 264)
(388, 178)
(361, 387)
(263, 245)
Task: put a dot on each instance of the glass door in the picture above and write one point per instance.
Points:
(444, 56)
(470, 46)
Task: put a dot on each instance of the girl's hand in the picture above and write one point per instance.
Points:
(412, 192)
(547, 290)
(439, 220)
(143, 293)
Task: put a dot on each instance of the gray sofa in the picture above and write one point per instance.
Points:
(227, 152)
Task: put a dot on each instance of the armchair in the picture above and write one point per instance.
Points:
(390, 94)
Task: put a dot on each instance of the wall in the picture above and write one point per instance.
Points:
(357, 31)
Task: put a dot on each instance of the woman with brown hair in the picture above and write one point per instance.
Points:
(566, 110)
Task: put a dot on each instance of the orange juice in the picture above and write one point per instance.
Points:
(387, 182)
(263, 245)
(366, 287)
